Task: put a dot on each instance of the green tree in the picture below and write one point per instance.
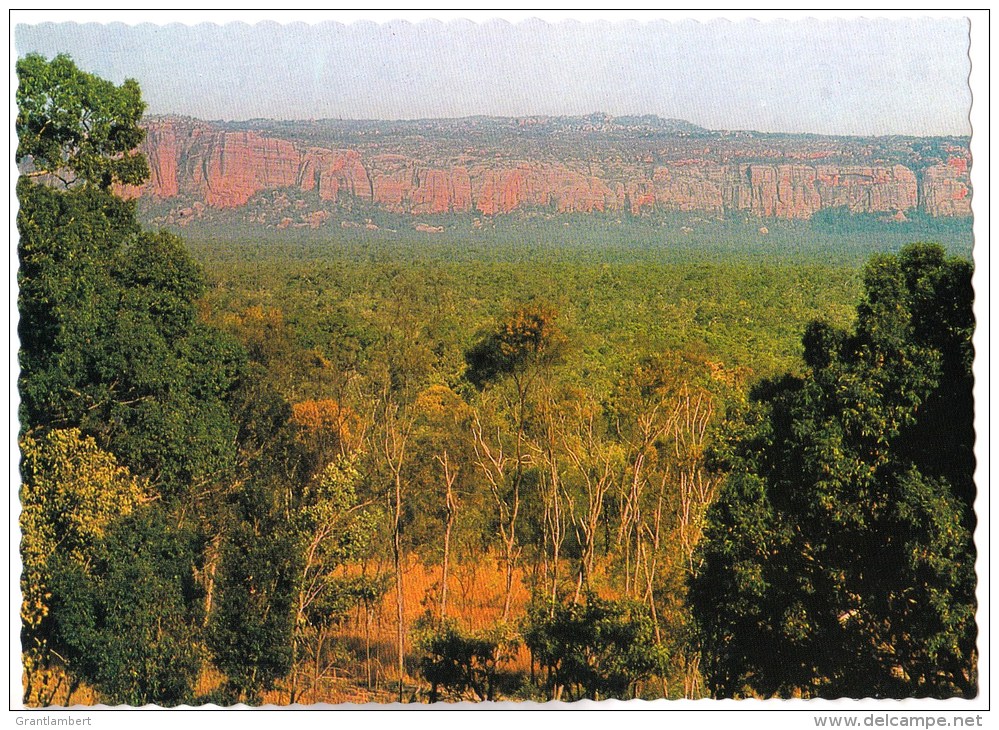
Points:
(465, 665)
(111, 343)
(332, 528)
(110, 339)
(66, 296)
(72, 491)
(522, 347)
(838, 559)
(254, 560)
(594, 650)
(129, 621)
(250, 630)
(77, 127)
(444, 454)
(527, 339)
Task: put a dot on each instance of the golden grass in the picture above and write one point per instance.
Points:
(476, 594)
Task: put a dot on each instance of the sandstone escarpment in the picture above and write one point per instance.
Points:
(945, 189)
(163, 152)
(333, 173)
(227, 168)
(552, 187)
(222, 168)
(403, 185)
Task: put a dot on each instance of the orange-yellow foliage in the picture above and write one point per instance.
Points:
(327, 424)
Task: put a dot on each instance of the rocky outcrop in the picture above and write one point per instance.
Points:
(221, 168)
(945, 189)
(868, 189)
(163, 153)
(688, 187)
(333, 173)
(225, 169)
(552, 187)
(403, 185)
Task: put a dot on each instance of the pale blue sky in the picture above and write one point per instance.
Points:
(885, 76)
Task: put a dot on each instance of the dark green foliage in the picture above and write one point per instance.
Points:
(110, 340)
(128, 624)
(78, 127)
(158, 275)
(463, 665)
(250, 631)
(112, 343)
(173, 375)
(65, 297)
(599, 649)
(258, 561)
(528, 336)
(838, 559)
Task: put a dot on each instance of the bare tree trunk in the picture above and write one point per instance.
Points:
(557, 533)
(400, 633)
(594, 460)
(444, 565)
(394, 444)
(494, 464)
(630, 500)
(510, 561)
(367, 643)
(518, 475)
(211, 566)
(553, 522)
(399, 591)
(451, 505)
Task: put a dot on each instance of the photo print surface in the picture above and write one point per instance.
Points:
(485, 361)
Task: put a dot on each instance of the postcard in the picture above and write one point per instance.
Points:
(370, 360)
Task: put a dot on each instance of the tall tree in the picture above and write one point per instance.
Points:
(251, 628)
(522, 347)
(441, 442)
(332, 529)
(113, 350)
(394, 441)
(72, 492)
(838, 559)
(111, 342)
(77, 127)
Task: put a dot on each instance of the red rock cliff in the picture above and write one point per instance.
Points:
(225, 169)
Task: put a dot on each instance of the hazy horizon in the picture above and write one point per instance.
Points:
(902, 76)
(292, 120)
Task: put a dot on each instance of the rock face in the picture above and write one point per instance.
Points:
(946, 188)
(197, 162)
(163, 152)
(333, 173)
(225, 169)
(403, 185)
